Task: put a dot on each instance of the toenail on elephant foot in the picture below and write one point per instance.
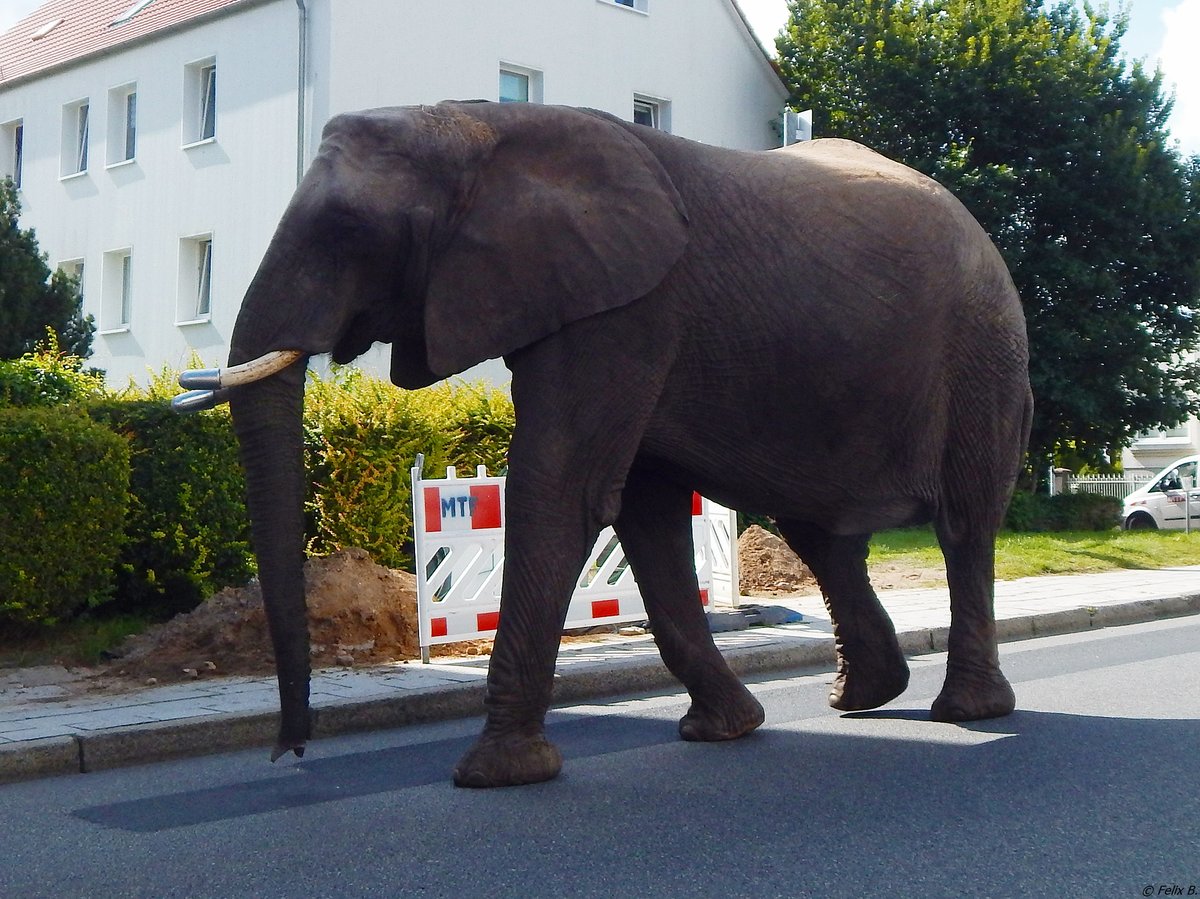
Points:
(972, 698)
(708, 724)
(508, 762)
(862, 685)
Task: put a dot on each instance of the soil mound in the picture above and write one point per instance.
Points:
(358, 613)
(768, 566)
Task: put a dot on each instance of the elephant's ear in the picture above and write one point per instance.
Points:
(571, 215)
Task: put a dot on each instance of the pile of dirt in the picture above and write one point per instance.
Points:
(358, 613)
(767, 565)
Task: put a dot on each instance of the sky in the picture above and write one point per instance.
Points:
(1160, 31)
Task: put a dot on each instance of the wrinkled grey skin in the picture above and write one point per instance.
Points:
(816, 334)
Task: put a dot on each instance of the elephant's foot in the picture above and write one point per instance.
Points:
(972, 695)
(868, 677)
(508, 760)
(734, 715)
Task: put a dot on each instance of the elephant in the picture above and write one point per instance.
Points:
(816, 334)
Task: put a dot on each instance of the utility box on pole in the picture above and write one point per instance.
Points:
(797, 126)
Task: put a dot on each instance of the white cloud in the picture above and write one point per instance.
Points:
(1181, 69)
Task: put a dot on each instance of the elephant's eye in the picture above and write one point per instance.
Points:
(347, 234)
(342, 224)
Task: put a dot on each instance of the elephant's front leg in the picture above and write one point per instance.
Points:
(655, 529)
(544, 551)
(583, 400)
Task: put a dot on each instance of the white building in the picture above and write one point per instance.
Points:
(1155, 450)
(157, 142)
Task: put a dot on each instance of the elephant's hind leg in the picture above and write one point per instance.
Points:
(655, 531)
(871, 669)
(975, 687)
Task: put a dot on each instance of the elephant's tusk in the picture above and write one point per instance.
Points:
(196, 400)
(246, 373)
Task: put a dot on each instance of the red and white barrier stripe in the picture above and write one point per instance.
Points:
(459, 549)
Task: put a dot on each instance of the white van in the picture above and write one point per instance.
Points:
(1167, 500)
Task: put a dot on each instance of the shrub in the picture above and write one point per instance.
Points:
(1034, 512)
(47, 378)
(187, 533)
(63, 490)
(362, 436)
(361, 439)
(478, 422)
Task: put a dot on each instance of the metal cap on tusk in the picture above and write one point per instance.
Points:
(198, 400)
(200, 379)
(246, 373)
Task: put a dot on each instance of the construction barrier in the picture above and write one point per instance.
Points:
(458, 530)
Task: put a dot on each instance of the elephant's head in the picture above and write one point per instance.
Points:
(457, 233)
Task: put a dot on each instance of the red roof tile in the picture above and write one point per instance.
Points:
(86, 28)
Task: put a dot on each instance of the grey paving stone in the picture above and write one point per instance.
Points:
(38, 758)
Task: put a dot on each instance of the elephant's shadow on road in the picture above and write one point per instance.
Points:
(1036, 757)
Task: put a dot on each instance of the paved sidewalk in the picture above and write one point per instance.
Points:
(46, 728)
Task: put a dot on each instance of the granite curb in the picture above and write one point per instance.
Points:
(141, 743)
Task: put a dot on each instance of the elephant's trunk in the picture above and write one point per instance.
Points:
(267, 416)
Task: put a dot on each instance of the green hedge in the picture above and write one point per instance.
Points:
(1036, 512)
(47, 378)
(187, 533)
(362, 436)
(64, 486)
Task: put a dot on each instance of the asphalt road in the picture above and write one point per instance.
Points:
(1090, 789)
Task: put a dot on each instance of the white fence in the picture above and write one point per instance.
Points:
(458, 536)
(1117, 486)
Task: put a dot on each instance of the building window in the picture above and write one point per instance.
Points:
(1177, 433)
(200, 102)
(12, 150)
(45, 29)
(117, 301)
(127, 15)
(195, 280)
(73, 268)
(520, 85)
(652, 112)
(639, 5)
(122, 124)
(76, 120)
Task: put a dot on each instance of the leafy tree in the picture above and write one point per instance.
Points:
(32, 297)
(1059, 146)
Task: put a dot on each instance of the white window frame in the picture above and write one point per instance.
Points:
(533, 81)
(116, 301)
(195, 295)
(658, 108)
(200, 102)
(122, 125)
(642, 6)
(76, 138)
(12, 151)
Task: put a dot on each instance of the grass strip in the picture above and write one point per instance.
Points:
(1067, 552)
